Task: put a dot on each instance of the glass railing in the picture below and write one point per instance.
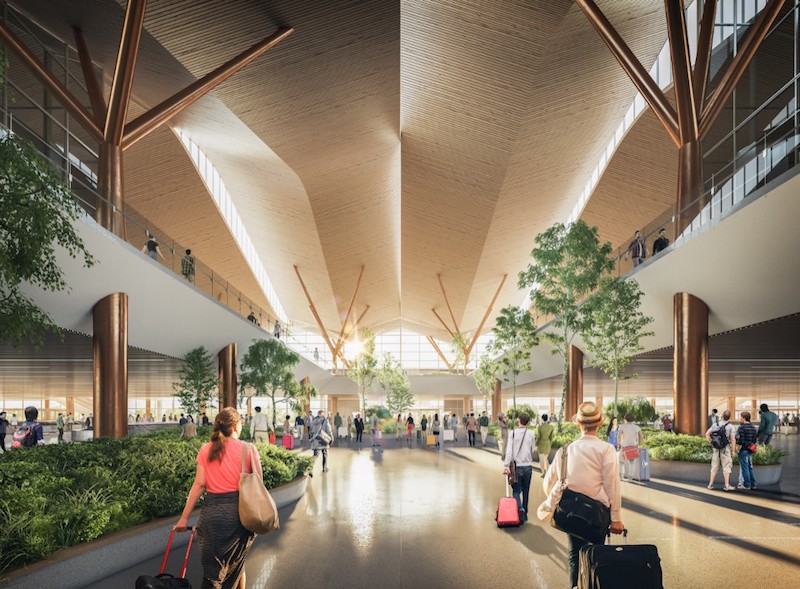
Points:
(83, 182)
(773, 153)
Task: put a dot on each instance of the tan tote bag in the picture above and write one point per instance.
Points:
(257, 510)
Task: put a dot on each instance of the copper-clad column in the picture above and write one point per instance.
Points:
(574, 383)
(110, 366)
(227, 376)
(690, 364)
(307, 400)
(109, 184)
(497, 399)
(690, 185)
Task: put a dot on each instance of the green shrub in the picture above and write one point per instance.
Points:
(686, 448)
(56, 496)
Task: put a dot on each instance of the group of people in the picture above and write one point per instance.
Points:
(637, 249)
(744, 440)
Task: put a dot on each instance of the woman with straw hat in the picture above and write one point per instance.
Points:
(592, 469)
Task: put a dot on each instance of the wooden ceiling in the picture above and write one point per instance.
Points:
(416, 139)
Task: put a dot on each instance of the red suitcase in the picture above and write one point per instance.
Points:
(507, 515)
(288, 441)
(163, 579)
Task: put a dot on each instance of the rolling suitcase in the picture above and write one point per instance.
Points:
(343, 431)
(507, 515)
(288, 441)
(606, 566)
(431, 440)
(644, 465)
(164, 580)
(449, 435)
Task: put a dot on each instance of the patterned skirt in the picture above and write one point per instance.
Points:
(223, 541)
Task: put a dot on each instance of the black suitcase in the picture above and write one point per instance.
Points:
(607, 566)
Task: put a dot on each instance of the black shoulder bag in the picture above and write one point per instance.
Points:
(580, 515)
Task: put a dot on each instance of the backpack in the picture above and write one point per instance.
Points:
(719, 437)
(24, 437)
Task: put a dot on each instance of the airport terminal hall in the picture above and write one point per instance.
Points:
(402, 293)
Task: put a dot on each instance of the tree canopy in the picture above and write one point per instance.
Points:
(266, 368)
(37, 211)
(395, 384)
(485, 378)
(615, 327)
(198, 381)
(514, 338)
(363, 368)
(567, 264)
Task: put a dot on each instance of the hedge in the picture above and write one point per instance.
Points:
(56, 496)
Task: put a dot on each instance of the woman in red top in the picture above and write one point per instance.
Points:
(223, 540)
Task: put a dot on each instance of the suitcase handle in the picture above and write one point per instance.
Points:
(624, 536)
(191, 529)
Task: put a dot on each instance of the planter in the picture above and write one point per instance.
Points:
(697, 472)
(78, 566)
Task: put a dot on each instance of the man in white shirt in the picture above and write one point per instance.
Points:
(630, 436)
(259, 427)
(520, 450)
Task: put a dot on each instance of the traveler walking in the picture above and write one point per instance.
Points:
(358, 422)
(766, 425)
(630, 438)
(520, 450)
(259, 427)
(721, 439)
(472, 427)
(746, 437)
(593, 470)
(321, 437)
(435, 428)
(502, 421)
(483, 423)
(224, 542)
(544, 443)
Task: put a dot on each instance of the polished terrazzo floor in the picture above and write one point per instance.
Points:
(400, 517)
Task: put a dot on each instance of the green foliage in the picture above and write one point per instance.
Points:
(198, 381)
(514, 337)
(686, 448)
(363, 368)
(485, 378)
(513, 413)
(641, 409)
(568, 262)
(458, 345)
(379, 410)
(615, 327)
(395, 383)
(37, 212)
(568, 432)
(56, 496)
(266, 369)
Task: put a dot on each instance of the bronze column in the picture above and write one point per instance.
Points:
(574, 383)
(110, 366)
(307, 400)
(690, 363)
(690, 186)
(227, 376)
(497, 399)
(110, 213)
